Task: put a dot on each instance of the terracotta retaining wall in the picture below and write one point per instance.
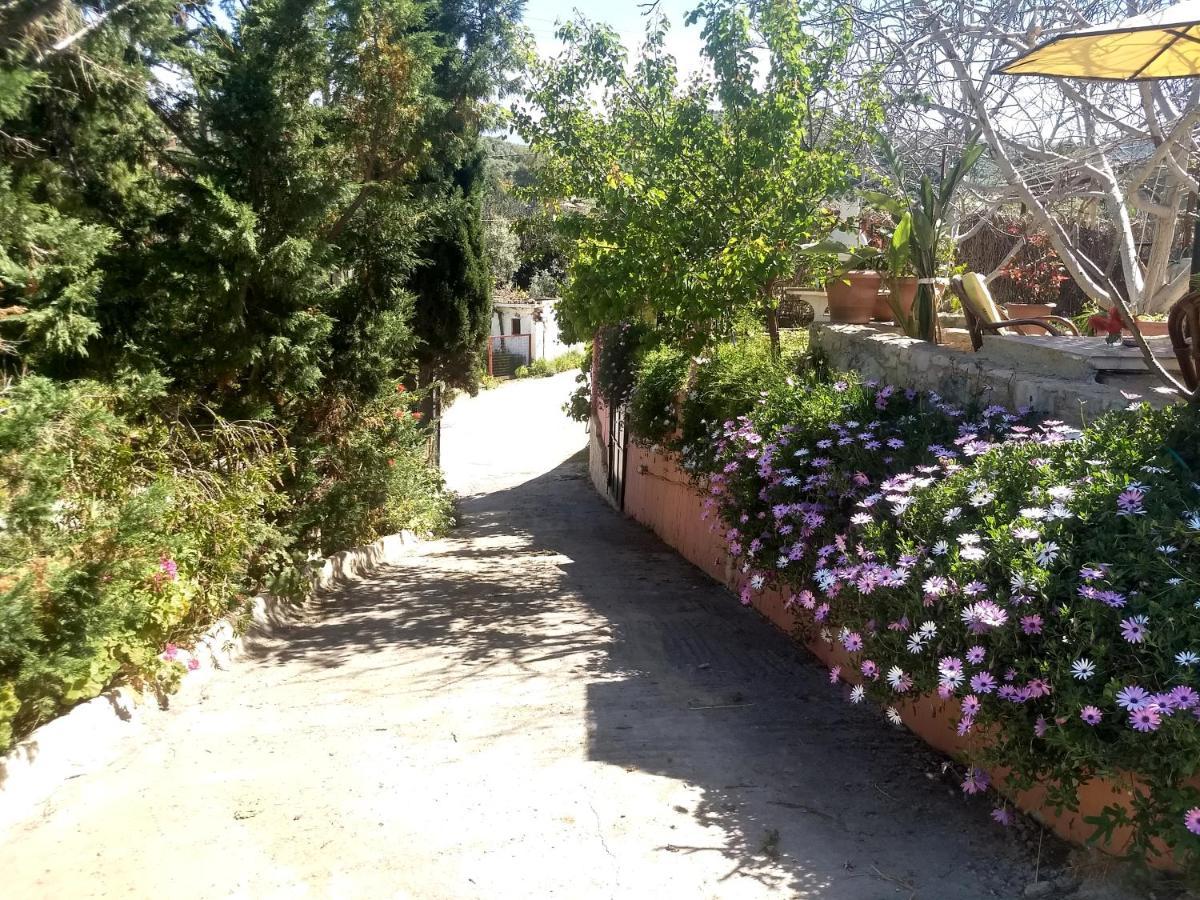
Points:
(660, 495)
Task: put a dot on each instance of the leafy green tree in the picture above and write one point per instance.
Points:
(697, 198)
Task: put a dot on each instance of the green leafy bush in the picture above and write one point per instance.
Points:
(540, 368)
(653, 412)
(372, 476)
(616, 369)
(118, 536)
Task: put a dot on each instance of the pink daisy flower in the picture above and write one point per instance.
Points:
(1091, 715)
(1145, 719)
(1192, 820)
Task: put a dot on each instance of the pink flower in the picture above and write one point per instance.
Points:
(1039, 727)
(1031, 624)
(852, 642)
(869, 669)
(1091, 715)
(193, 664)
(170, 652)
(976, 781)
(168, 567)
(1002, 816)
(1145, 719)
(835, 674)
(1133, 629)
(1192, 820)
(971, 705)
(983, 683)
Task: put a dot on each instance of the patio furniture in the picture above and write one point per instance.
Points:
(984, 316)
(1183, 326)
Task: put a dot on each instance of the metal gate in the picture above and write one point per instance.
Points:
(617, 438)
(508, 351)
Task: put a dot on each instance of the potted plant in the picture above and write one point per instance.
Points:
(901, 282)
(853, 291)
(926, 239)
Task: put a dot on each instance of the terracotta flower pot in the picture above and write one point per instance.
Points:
(1150, 328)
(852, 297)
(906, 288)
(1029, 310)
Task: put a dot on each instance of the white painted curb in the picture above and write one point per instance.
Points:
(87, 737)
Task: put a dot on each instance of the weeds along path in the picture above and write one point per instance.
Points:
(546, 703)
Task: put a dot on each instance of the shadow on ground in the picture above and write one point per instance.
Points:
(811, 796)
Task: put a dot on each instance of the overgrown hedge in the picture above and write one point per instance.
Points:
(121, 534)
(1045, 579)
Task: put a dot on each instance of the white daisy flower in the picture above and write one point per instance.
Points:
(893, 716)
(857, 693)
(1083, 669)
(1047, 553)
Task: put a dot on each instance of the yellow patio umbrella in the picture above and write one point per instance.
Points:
(1160, 44)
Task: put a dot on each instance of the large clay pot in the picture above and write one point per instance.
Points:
(852, 297)
(1029, 311)
(1150, 328)
(906, 288)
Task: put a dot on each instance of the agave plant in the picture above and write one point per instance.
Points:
(921, 229)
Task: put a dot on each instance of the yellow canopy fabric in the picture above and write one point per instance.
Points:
(1161, 44)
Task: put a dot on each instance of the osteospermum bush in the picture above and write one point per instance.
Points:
(1040, 580)
(1061, 581)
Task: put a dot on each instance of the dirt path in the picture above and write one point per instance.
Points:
(548, 703)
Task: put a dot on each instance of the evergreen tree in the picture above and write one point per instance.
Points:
(478, 47)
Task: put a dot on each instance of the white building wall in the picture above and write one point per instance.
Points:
(547, 339)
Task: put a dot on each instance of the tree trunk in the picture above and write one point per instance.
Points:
(773, 329)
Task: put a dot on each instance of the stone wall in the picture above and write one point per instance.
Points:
(1050, 374)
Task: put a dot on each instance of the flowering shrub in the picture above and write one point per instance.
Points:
(1043, 581)
(116, 537)
(120, 535)
(1036, 272)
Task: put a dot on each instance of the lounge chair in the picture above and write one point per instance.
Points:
(984, 316)
(1183, 325)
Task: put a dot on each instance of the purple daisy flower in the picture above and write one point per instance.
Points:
(1091, 715)
(1133, 629)
(1132, 697)
(1145, 719)
(1191, 820)
(976, 781)
(1031, 624)
(1003, 817)
(976, 655)
(983, 683)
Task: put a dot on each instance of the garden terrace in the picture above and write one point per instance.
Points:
(1071, 378)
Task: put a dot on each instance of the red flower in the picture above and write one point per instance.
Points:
(1110, 324)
